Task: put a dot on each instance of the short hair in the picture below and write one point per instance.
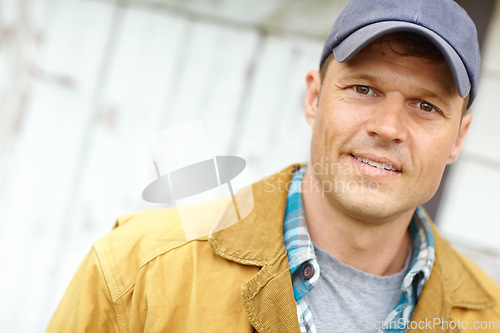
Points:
(413, 45)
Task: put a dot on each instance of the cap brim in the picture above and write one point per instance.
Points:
(364, 36)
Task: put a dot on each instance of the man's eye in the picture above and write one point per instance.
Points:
(427, 107)
(363, 90)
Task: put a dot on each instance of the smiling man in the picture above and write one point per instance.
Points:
(345, 246)
(390, 120)
(387, 109)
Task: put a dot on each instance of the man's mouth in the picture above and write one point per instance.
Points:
(378, 165)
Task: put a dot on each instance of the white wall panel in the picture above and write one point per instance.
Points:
(273, 117)
(44, 160)
(491, 58)
(469, 213)
(484, 137)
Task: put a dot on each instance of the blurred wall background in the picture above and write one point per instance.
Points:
(82, 82)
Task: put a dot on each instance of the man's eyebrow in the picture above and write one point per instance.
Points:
(358, 76)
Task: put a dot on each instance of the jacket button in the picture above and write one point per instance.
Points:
(308, 271)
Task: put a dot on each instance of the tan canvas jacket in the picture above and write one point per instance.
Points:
(145, 277)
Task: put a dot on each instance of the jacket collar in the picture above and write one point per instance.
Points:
(257, 240)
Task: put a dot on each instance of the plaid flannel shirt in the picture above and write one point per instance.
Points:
(303, 263)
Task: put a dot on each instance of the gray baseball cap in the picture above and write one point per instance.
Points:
(443, 22)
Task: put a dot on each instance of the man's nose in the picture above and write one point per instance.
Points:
(388, 120)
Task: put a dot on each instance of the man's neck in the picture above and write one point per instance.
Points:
(378, 248)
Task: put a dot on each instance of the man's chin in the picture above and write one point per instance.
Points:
(371, 209)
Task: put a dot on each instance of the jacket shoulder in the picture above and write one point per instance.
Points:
(479, 311)
(469, 290)
(482, 278)
(139, 238)
(465, 275)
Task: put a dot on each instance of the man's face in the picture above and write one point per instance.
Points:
(384, 128)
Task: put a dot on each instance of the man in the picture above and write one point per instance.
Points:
(339, 245)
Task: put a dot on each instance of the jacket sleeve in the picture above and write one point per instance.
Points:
(86, 305)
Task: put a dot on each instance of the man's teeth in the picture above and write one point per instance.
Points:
(375, 164)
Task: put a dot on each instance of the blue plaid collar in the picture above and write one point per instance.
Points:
(301, 258)
(298, 244)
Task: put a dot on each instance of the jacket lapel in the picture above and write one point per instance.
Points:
(258, 240)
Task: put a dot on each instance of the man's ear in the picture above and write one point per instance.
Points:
(313, 86)
(464, 127)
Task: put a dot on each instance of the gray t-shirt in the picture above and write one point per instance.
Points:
(346, 299)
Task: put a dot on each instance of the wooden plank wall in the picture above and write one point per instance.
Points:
(45, 158)
(83, 82)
